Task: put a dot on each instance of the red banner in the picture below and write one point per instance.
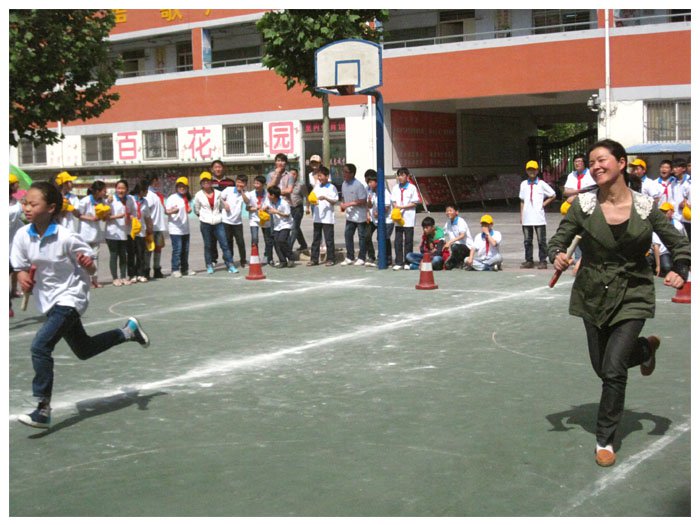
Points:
(423, 139)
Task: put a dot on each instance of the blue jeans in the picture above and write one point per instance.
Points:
(269, 241)
(64, 322)
(350, 228)
(181, 253)
(528, 233)
(211, 233)
(414, 259)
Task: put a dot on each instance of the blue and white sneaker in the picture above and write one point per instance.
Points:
(137, 332)
(232, 269)
(40, 418)
(210, 269)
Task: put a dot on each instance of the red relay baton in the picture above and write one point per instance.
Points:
(25, 298)
(569, 253)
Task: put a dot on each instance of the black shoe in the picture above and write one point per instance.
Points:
(527, 264)
(312, 263)
(40, 418)
(542, 265)
(157, 274)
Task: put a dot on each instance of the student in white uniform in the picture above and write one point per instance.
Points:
(485, 254)
(281, 213)
(61, 288)
(177, 208)
(579, 180)
(458, 238)
(535, 195)
(232, 215)
(256, 200)
(324, 218)
(404, 197)
(117, 230)
(90, 225)
(64, 181)
(16, 223)
(156, 204)
(373, 217)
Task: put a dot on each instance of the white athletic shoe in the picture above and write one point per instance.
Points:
(370, 263)
(346, 262)
(359, 262)
(406, 266)
(176, 274)
(397, 267)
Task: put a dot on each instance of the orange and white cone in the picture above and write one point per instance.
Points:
(254, 267)
(426, 281)
(683, 295)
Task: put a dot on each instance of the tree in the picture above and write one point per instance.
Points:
(291, 38)
(60, 70)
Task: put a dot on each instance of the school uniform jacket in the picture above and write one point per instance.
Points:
(614, 282)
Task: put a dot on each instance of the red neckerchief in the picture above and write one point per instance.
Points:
(579, 178)
(187, 203)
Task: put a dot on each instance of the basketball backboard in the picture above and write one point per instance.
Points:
(350, 66)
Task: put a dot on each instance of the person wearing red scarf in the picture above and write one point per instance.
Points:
(177, 207)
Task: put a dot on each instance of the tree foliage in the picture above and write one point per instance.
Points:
(291, 38)
(60, 70)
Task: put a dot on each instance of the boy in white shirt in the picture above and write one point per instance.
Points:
(355, 207)
(373, 217)
(324, 218)
(485, 254)
(256, 200)
(232, 197)
(638, 168)
(404, 197)
(177, 207)
(281, 213)
(458, 238)
(156, 204)
(535, 195)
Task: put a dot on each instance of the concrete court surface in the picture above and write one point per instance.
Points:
(346, 392)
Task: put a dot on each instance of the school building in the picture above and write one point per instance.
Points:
(465, 93)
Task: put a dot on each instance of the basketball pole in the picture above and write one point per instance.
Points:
(381, 212)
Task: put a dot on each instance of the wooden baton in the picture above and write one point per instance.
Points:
(569, 253)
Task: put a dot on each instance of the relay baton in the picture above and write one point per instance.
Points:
(569, 253)
(25, 297)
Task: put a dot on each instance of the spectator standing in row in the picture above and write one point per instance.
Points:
(219, 182)
(579, 180)
(638, 169)
(136, 258)
(117, 230)
(89, 227)
(294, 192)
(67, 217)
(458, 238)
(680, 168)
(256, 201)
(156, 204)
(324, 218)
(281, 214)
(404, 197)
(373, 218)
(354, 204)
(177, 207)
(535, 195)
(232, 215)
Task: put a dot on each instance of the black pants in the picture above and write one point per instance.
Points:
(458, 254)
(328, 232)
(117, 257)
(297, 235)
(613, 350)
(235, 231)
(136, 257)
(403, 244)
(282, 246)
(528, 233)
(371, 228)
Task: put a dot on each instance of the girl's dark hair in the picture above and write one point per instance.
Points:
(51, 194)
(124, 182)
(96, 186)
(261, 179)
(274, 190)
(616, 149)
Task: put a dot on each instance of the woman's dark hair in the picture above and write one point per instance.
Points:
(96, 186)
(616, 149)
(51, 194)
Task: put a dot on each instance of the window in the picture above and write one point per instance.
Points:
(98, 148)
(133, 63)
(245, 139)
(502, 23)
(456, 23)
(667, 121)
(31, 154)
(160, 144)
(184, 56)
(571, 20)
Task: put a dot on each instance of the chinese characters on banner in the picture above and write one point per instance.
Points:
(282, 137)
(126, 145)
(424, 139)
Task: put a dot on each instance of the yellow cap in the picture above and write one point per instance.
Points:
(532, 164)
(150, 243)
(686, 213)
(182, 180)
(486, 218)
(263, 216)
(666, 206)
(639, 162)
(135, 227)
(565, 207)
(64, 177)
(13, 178)
(205, 175)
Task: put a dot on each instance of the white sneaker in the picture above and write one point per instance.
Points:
(397, 267)
(191, 273)
(406, 266)
(133, 280)
(117, 282)
(346, 262)
(176, 274)
(359, 262)
(126, 282)
(370, 263)
(141, 279)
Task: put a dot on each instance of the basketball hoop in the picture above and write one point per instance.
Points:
(348, 89)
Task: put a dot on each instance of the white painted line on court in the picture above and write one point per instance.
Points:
(219, 367)
(206, 304)
(623, 468)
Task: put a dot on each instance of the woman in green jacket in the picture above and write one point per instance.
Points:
(614, 287)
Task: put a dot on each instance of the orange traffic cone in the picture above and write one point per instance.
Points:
(254, 267)
(426, 274)
(683, 295)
